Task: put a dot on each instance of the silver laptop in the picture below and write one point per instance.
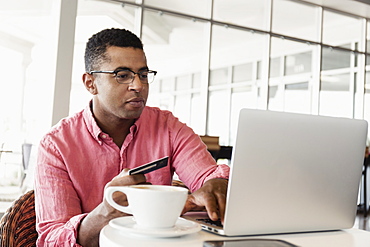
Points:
(292, 173)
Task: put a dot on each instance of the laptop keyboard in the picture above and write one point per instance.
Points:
(211, 222)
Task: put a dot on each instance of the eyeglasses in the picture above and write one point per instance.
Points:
(127, 76)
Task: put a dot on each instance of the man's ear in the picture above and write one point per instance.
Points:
(89, 82)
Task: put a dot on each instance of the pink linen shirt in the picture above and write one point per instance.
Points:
(76, 160)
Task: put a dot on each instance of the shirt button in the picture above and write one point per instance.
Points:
(104, 136)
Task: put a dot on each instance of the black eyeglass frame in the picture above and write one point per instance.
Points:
(115, 72)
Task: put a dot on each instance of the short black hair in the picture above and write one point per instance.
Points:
(97, 45)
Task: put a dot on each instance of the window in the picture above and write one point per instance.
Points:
(111, 14)
(181, 65)
(28, 40)
(202, 8)
(280, 55)
(219, 76)
(298, 63)
(337, 78)
(340, 29)
(243, 72)
(249, 13)
(335, 97)
(302, 23)
(291, 76)
(335, 59)
(233, 77)
(28, 49)
(218, 115)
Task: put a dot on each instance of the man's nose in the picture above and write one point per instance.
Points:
(136, 84)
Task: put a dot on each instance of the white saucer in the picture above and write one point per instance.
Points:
(182, 227)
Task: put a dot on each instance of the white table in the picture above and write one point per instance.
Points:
(111, 237)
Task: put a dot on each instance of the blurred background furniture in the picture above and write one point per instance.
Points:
(212, 143)
(26, 154)
(2, 150)
(363, 207)
(225, 153)
(10, 160)
(18, 225)
(16, 177)
(217, 151)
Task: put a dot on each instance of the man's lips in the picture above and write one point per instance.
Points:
(136, 102)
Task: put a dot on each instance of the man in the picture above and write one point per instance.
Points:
(93, 149)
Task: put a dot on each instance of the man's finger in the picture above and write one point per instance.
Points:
(221, 206)
(126, 180)
(123, 173)
(211, 206)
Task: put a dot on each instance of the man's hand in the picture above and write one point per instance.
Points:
(211, 196)
(88, 233)
(123, 179)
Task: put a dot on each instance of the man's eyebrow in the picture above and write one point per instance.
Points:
(127, 68)
(144, 68)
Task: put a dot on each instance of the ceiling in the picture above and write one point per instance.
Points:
(356, 7)
(22, 22)
(36, 7)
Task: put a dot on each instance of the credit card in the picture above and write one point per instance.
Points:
(149, 167)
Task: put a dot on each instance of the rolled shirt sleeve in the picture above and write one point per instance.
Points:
(58, 210)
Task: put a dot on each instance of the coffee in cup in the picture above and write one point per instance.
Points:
(153, 206)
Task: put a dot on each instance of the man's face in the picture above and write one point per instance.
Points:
(114, 101)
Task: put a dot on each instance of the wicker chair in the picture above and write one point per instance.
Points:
(18, 225)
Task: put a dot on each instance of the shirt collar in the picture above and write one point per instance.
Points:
(91, 124)
(95, 130)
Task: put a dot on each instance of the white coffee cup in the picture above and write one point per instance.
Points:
(153, 206)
